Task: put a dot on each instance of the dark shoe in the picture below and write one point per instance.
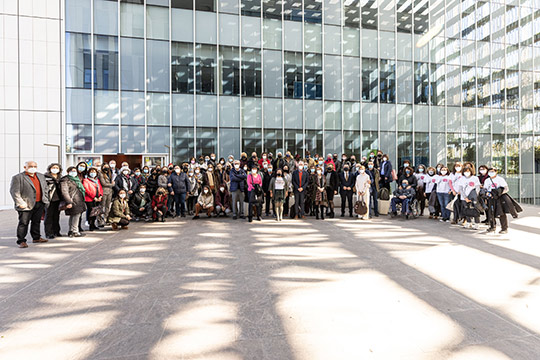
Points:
(342, 215)
(114, 226)
(183, 215)
(40, 240)
(490, 230)
(250, 219)
(195, 217)
(242, 217)
(322, 216)
(332, 215)
(125, 227)
(93, 228)
(393, 214)
(81, 230)
(259, 218)
(23, 245)
(377, 215)
(351, 215)
(234, 217)
(50, 237)
(75, 235)
(59, 235)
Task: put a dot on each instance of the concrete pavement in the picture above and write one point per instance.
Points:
(222, 289)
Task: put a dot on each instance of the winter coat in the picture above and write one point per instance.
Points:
(504, 204)
(237, 179)
(317, 183)
(107, 183)
(223, 199)
(119, 210)
(206, 181)
(152, 183)
(23, 192)
(333, 184)
(159, 201)
(409, 193)
(72, 196)
(206, 199)
(136, 201)
(179, 183)
(53, 183)
(93, 190)
(131, 183)
(163, 181)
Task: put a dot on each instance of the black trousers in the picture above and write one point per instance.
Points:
(269, 202)
(146, 212)
(52, 219)
(254, 201)
(346, 196)
(25, 217)
(299, 199)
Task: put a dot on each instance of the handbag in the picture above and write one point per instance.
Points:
(360, 207)
(450, 205)
(96, 211)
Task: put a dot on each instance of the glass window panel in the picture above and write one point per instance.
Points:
(438, 119)
(313, 38)
(157, 22)
(421, 83)
(388, 117)
(370, 140)
(229, 142)
(229, 61)
(273, 140)
(333, 142)
(157, 66)
(453, 19)
(332, 77)
(272, 32)
(132, 139)
(229, 111)
(437, 49)
(453, 119)
(251, 72)
(157, 2)
(272, 9)
(527, 121)
(512, 153)
(421, 118)
(404, 16)
(404, 82)
(228, 30)
(351, 12)
(78, 106)
(273, 116)
(438, 148)
(205, 5)
(251, 140)
(131, 20)
(332, 39)
(527, 154)
(438, 86)
(484, 120)
(370, 118)
(78, 61)
(351, 78)
(157, 138)
(484, 149)
(388, 81)
(182, 25)
(314, 141)
(453, 85)
(351, 41)
(106, 107)
(105, 17)
(313, 10)
(183, 143)
(293, 40)
(387, 17)
(206, 111)
(405, 147)
(313, 76)
(182, 108)
(251, 7)
(370, 73)
(420, 53)
(512, 89)
(106, 62)
(293, 74)
(228, 6)
(78, 138)
(421, 148)
(251, 32)
(132, 63)
(182, 68)
(133, 108)
(292, 10)
(273, 80)
(404, 46)
(468, 120)
(106, 139)
(369, 14)
(158, 109)
(206, 27)
(386, 39)
(314, 114)
(293, 114)
(351, 116)
(332, 115)
(206, 140)
(369, 43)
(78, 15)
(206, 69)
(388, 143)
(251, 113)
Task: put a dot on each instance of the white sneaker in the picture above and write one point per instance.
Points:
(474, 226)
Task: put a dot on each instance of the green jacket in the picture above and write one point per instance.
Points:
(119, 210)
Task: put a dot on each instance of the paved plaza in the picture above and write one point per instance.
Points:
(337, 289)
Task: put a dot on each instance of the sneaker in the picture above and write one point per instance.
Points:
(502, 232)
(490, 230)
(474, 226)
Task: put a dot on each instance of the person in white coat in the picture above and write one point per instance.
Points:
(363, 185)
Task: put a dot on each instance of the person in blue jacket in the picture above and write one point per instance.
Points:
(238, 177)
(178, 186)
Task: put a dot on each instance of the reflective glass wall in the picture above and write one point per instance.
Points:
(425, 80)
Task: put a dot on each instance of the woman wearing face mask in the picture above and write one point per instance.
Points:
(52, 214)
(455, 187)
(107, 184)
(279, 191)
(362, 185)
(470, 186)
(152, 182)
(408, 174)
(120, 214)
(205, 203)
(192, 193)
(288, 179)
(482, 174)
(210, 179)
(421, 179)
(159, 205)
(431, 195)
(139, 178)
(500, 202)
(444, 192)
(318, 193)
(126, 182)
(223, 201)
(255, 194)
(141, 205)
(81, 170)
(73, 194)
(309, 200)
(93, 196)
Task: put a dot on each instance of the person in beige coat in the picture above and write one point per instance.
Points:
(362, 185)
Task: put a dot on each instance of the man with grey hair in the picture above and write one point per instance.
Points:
(31, 197)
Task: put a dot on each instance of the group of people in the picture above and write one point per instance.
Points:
(284, 185)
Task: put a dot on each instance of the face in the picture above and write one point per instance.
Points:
(55, 169)
(31, 167)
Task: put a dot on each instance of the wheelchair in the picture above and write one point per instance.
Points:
(414, 208)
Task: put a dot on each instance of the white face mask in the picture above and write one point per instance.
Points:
(253, 171)
(73, 173)
(458, 168)
(237, 166)
(206, 191)
(406, 165)
(138, 173)
(443, 172)
(467, 174)
(319, 172)
(431, 172)
(142, 191)
(112, 166)
(264, 157)
(362, 171)
(177, 171)
(492, 174)
(190, 174)
(231, 160)
(385, 159)
(210, 169)
(222, 189)
(93, 175)
(245, 168)
(125, 173)
(55, 171)
(483, 171)
(421, 170)
(122, 196)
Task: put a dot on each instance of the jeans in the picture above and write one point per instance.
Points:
(444, 199)
(25, 217)
(404, 205)
(238, 203)
(223, 209)
(180, 203)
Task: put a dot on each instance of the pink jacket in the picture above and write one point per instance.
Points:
(251, 180)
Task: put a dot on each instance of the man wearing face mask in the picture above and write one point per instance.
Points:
(374, 177)
(401, 170)
(386, 172)
(223, 201)
(300, 180)
(178, 186)
(212, 160)
(141, 205)
(31, 197)
(346, 183)
(403, 195)
(237, 176)
(125, 182)
(267, 175)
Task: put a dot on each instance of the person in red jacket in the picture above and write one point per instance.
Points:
(159, 205)
(223, 201)
(93, 196)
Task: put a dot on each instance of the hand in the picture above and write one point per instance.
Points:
(300, 189)
(453, 192)
(128, 217)
(69, 206)
(141, 209)
(155, 209)
(467, 200)
(169, 185)
(130, 192)
(172, 192)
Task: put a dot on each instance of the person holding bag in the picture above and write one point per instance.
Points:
(73, 194)
(93, 197)
(255, 193)
(319, 194)
(363, 185)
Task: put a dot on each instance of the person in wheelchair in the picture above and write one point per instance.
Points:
(403, 195)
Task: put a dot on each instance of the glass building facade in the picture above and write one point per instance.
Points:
(433, 81)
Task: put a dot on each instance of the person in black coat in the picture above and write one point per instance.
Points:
(140, 204)
(178, 187)
(125, 182)
(267, 174)
(346, 184)
(408, 174)
(300, 180)
(386, 172)
(52, 214)
(332, 186)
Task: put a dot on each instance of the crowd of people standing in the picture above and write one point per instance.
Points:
(284, 185)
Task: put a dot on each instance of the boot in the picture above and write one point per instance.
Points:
(322, 212)
(316, 213)
(114, 226)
